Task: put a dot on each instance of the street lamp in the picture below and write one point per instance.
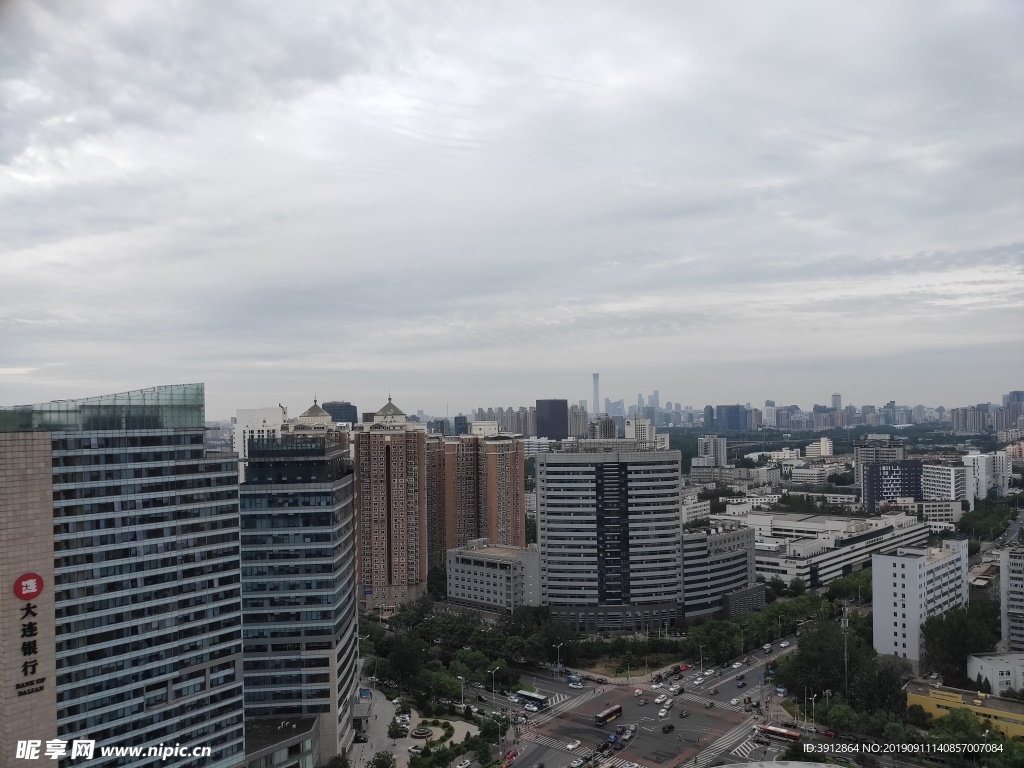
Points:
(814, 698)
(462, 690)
(743, 645)
(492, 671)
(702, 659)
(558, 662)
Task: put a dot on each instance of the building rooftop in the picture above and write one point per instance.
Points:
(965, 698)
(264, 732)
(503, 553)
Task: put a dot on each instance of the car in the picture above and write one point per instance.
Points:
(620, 729)
(538, 765)
(684, 667)
(641, 701)
(481, 698)
(784, 644)
(576, 763)
(601, 681)
(737, 665)
(713, 692)
(830, 734)
(530, 707)
(638, 692)
(761, 740)
(741, 684)
(627, 735)
(734, 702)
(416, 749)
(683, 713)
(662, 713)
(698, 681)
(709, 705)
(631, 728)
(478, 685)
(360, 738)
(655, 686)
(574, 744)
(667, 728)
(464, 764)
(788, 723)
(618, 745)
(630, 765)
(576, 686)
(661, 699)
(740, 677)
(718, 673)
(673, 688)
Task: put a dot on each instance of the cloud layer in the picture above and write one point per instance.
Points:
(481, 204)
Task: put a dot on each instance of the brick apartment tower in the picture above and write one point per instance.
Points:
(391, 486)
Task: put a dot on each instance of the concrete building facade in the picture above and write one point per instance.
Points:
(909, 586)
(717, 562)
(1002, 670)
(495, 579)
(1011, 576)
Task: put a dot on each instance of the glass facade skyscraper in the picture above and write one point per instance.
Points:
(127, 530)
(299, 580)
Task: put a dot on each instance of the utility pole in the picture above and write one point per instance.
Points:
(845, 624)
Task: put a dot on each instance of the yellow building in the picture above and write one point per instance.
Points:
(1005, 714)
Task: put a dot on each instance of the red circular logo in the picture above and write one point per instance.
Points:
(28, 586)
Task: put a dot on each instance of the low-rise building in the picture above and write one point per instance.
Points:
(941, 516)
(1011, 577)
(819, 448)
(911, 585)
(496, 579)
(821, 548)
(938, 700)
(809, 475)
(1003, 671)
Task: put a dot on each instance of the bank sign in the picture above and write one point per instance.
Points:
(28, 587)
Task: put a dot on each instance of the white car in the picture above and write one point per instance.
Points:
(661, 699)
(630, 765)
(577, 686)
(576, 763)
(674, 688)
(530, 707)
(572, 745)
(656, 686)
(784, 644)
(737, 664)
(698, 681)
(662, 713)
(734, 702)
(464, 764)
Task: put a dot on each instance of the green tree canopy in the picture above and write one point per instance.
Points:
(382, 760)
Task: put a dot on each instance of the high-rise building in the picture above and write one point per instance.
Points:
(119, 533)
(988, 474)
(460, 425)
(641, 431)
(837, 402)
(391, 492)
(709, 417)
(819, 448)
(299, 578)
(342, 412)
(602, 428)
(714, 450)
(941, 482)
(910, 586)
(1011, 576)
(731, 418)
(891, 480)
(609, 532)
(869, 450)
(597, 395)
(477, 489)
(254, 424)
(579, 420)
(969, 420)
(553, 419)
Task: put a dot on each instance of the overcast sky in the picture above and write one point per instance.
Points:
(482, 203)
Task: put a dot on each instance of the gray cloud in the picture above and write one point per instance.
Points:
(483, 204)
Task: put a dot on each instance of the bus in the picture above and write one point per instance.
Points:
(775, 733)
(539, 700)
(602, 718)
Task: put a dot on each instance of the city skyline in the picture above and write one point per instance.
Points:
(477, 206)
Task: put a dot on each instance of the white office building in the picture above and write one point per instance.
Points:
(911, 585)
(941, 516)
(988, 473)
(1011, 575)
(819, 448)
(1002, 670)
(945, 482)
(495, 579)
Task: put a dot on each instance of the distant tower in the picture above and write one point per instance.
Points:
(837, 401)
(597, 393)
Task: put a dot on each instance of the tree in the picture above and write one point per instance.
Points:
(797, 586)
(777, 585)
(956, 634)
(339, 761)
(960, 726)
(531, 530)
(382, 760)
(919, 717)
(395, 731)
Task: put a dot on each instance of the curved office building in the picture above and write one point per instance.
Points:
(609, 534)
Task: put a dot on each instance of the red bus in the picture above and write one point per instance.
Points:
(779, 734)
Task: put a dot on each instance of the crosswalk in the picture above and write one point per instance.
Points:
(547, 741)
(702, 700)
(726, 743)
(745, 748)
